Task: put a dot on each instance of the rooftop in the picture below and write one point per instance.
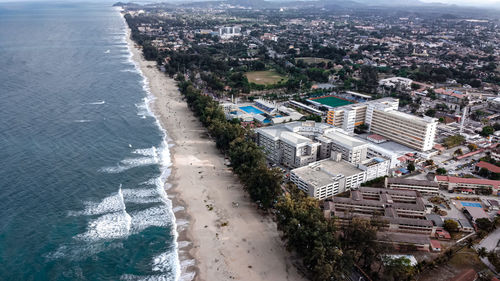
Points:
(344, 139)
(322, 172)
(493, 183)
(490, 167)
(412, 182)
(403, 238)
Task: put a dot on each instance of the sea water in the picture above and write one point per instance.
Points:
(82, 159)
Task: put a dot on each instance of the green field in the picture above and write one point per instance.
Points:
(331, 101)
(312, 60)
(267, 77)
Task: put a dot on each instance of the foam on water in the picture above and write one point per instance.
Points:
(110, 204)
(110, 225)
(97, 102)
(129, 163)
(166, 213)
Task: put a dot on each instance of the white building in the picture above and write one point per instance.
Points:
(383, 118)
(353, 150)
(326, 178)
(375, 168)
(228, 32)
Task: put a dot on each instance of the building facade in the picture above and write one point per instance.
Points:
(422, 186)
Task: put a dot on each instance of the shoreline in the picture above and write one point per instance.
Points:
(225, 243)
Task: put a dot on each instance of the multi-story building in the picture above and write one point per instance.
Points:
(406, 129)
(353, 150)
(229, 31)
(295, 144)
(397, 210)
(422, 186)
(288, 148)
(349, 116)
(326, 178)
(375, 168)
(466, 184)
(382, 118)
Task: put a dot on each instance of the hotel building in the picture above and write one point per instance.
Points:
(382, 118)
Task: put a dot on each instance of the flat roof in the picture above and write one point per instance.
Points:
(345, 140)
(322, 172)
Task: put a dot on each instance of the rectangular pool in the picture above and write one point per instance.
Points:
(251, 109)
(470, 204)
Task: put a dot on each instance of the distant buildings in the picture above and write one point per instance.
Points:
(228, 32)
(396, 83)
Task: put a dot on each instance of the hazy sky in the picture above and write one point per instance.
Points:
(468, 2)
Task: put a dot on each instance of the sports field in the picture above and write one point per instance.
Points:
(267, 77)
(332, 101)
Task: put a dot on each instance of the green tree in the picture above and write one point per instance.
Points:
(485, 224)
(263, 185)
(483, 172)
(411, 167)
(450, 225)
(487, 130)
(441, 171)
(458, 152)
(431, 112)
(398, 268)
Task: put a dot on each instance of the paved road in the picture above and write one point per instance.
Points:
(491, 241)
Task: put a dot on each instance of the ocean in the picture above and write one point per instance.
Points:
(82, 158)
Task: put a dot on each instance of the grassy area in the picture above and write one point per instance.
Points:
(466, 258)
(267, 77)
(312, 60)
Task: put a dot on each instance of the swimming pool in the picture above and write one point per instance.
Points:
(251, 109)
(470, 204)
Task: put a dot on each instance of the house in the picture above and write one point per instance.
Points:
(435, 246)
(465, 225)
(442, 234)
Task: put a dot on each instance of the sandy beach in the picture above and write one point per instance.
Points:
(226, 242)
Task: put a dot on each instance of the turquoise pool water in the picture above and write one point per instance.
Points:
(251, 109)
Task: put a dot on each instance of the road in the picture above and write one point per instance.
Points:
(490, 243)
